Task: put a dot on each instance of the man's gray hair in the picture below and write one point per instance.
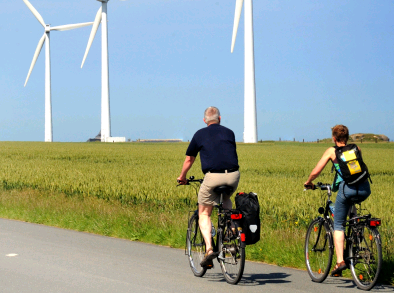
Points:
(211, 114)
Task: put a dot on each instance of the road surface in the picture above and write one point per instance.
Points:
(37, 258)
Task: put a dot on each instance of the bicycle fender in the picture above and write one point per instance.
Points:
(377, 236)
(327, 226)
(330, 235)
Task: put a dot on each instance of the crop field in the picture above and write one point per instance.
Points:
(129, 190)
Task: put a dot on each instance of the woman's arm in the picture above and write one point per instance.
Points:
(328, 155)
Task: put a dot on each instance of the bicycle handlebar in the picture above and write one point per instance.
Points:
(191, 179)
(319, 185)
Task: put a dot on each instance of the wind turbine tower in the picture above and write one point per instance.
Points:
(101, 16)
(250, 115)
(46, 38)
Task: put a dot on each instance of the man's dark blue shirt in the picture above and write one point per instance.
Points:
(217, 148)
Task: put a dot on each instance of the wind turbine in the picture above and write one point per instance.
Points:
(101, 17)
(45, 38)
(250, 115)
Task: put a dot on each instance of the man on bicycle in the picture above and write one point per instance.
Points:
(219, 163)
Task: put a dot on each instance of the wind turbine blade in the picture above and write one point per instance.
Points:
(35, 12)
(70, 26)
(95, 27)
(36, 54)
(238, 10)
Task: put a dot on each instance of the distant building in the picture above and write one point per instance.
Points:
(97, 138)
(108, 139)
(115, 139)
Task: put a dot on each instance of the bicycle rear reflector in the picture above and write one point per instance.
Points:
(375, 222)
(243, 238)
(236, 216)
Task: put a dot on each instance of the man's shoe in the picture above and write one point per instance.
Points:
(208, 258)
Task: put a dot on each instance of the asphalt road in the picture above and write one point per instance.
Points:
(37, 258)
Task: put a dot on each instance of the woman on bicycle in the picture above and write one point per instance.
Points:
(347, 194)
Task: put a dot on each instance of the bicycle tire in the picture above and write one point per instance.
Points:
(366, 258)
(231, 256)
(319, 250)
(195, 247)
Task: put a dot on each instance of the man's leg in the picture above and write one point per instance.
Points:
(231, 179)
(204, 213)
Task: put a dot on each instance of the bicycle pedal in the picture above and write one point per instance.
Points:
(337, 275)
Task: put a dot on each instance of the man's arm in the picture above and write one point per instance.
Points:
(187, 164)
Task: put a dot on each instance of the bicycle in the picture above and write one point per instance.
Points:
(363, 251)
(229, 239)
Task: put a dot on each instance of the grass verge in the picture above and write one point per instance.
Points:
(282, 246)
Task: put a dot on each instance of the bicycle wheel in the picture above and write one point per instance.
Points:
(319, 250)
(231, 256)
(195, 247)
(366, 258)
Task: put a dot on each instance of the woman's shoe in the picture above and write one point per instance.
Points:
(339, 267)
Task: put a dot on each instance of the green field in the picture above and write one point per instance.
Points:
(129, 191)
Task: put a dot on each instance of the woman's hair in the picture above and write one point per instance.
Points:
(341, 133)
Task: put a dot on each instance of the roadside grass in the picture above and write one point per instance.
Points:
(128, 191)
(281, 244)
(136, 222)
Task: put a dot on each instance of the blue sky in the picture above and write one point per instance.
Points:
(317, 65)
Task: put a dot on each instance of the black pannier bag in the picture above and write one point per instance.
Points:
(248, 205)
(351, 163)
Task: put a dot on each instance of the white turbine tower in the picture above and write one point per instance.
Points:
(250, 115)
(101, 17)
(45, 38)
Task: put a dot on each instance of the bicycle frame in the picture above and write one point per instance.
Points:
(226, 218)
(223, 216)
(362, 252)
(350, 225)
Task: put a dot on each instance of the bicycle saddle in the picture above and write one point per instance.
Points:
(224, 189)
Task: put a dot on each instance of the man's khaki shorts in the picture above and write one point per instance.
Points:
(206, 196)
